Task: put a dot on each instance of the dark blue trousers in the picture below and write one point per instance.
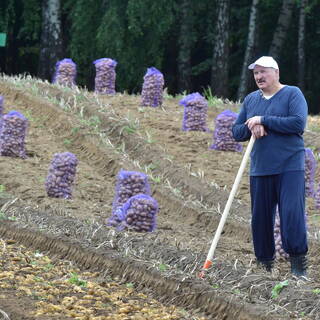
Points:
(287, 190)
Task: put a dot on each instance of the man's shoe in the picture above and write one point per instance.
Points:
(265, 264)
(299, 265)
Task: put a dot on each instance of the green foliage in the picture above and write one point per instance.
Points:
(67, 142)
(142, 33)
(48, 267)
(31, 21)
(278, 288)
(149, 138)
(133, 33)
(201, 67)
(37, 279)
(2, 188)
(3, 216)
(113, 42)
(155, 179)
(213, 101)
(7, 15)
(84, 17)
(74, 279)
(162, 267)
(128, 129)
(75, 130)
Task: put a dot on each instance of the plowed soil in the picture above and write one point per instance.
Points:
(191, 184)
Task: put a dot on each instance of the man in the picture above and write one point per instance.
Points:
(276, 115)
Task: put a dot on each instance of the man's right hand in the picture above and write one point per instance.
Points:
(258, 131)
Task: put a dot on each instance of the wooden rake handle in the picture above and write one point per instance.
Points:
(224, 216)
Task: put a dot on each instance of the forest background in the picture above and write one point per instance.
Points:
(199, 45)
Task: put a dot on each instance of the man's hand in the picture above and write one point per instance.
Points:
(251, 122)
(258, 131)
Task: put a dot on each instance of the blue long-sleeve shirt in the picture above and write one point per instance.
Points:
(284, 117)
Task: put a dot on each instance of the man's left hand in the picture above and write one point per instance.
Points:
(251, 122)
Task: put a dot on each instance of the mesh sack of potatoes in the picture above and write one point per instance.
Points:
(105, 76)
(65, 73)
(139, 213)
(195, 112)
(1, 110)
(280, 253)
(128, 184)
(12, 135)
(310, 172)
(222, 135)
(317, 197)
(1, 106)
(61, 175)
(152, 88)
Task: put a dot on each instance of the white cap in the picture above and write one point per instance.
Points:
(265, 61)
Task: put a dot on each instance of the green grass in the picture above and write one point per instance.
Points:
(3, 216)
(128, 129)
(67, 142)
(156, 179)
(162, 267)
(75, 130)
(278, 288)
(149, 138)
(213, 101)
(74, 279)
(48, 267)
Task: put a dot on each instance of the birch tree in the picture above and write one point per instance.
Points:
(51, 38)
(242, 89)
(219, 69)
(301, 43)
(282, 27)
(185, 45)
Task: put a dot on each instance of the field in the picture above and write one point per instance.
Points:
(191, 184)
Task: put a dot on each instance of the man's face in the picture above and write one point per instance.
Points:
(265, 78)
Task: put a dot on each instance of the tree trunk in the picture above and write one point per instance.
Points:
(185, 45)
(301, 42)
(51, 38)
(219, 70)
(243, 85)
(281, 29)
